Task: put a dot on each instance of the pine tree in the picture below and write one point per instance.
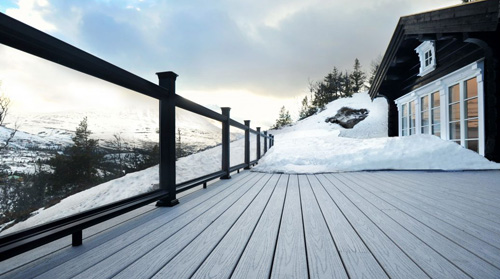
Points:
(284, 119)
(346, 87)
(78, 166)
(307, 109)
(357, 77)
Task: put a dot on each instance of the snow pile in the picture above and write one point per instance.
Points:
(313, 146)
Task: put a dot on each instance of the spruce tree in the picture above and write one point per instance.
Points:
(357, 77)
(284, 119)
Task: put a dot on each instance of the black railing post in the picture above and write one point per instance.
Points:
(265, 142)
(271, 141)
(258, 143)
(167, 138)
(225, 144)
(247, 144)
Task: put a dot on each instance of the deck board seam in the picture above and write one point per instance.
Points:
(443, 256)
(208, 226)
(279, 230)
(438, 232)
(441, 219)
(390, 238)
(304, 229)
(329, 229)
(353, 227)
(232, 225)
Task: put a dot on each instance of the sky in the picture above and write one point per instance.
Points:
(253, 56)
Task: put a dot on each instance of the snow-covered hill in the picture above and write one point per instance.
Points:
(314, 146)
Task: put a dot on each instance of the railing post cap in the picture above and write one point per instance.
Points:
(167, 75)
(247, 122)
(258, 129)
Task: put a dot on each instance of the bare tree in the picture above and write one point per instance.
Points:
(4, 109)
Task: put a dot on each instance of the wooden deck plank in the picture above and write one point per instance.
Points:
(463, 222)
(434, 264)
(158, 232)
(290, 258)
(46, 257)
(220, 246)
(469, 242)
(396, 263)
(257, 258)
(322, 255)
(361, 225)
(459, 256)
(446, 199)
(358, 260)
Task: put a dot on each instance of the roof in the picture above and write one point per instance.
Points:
(478, 16)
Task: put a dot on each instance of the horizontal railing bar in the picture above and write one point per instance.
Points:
(207, 176)
(16, 243)
(197, 108)
(28, 39)
(254, 162)
(237, 167)
(237, 124)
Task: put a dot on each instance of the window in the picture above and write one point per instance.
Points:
(450, 108)
(435, 114)
(471, 118)
(427, 55)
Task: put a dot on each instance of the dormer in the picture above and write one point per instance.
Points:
(427, 55)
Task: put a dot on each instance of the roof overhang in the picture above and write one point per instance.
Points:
(456, 21)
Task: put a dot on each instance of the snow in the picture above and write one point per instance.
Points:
(314, 146)
(309, 146)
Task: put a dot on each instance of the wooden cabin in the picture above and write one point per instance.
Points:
(440, 75)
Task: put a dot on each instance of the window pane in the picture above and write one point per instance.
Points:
(471, 108)
(404, 132)
(412, 131)
(472, 145)
(425, 129)
(456, 141)
(454, 93)
(436, 116)
(454, 112)
(455, 130)
(435, 99)
(436, 130)
(425, 118)
(404, 112)
(412, 107)
(471, 88)
(424, 103)
(472, 129)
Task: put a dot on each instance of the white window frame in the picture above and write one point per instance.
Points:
(474, 70)
(421, 50)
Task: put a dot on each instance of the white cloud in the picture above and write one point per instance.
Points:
(32, 12)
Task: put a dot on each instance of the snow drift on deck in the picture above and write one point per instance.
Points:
(314, 146)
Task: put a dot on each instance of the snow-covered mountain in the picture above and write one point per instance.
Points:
(40, 134)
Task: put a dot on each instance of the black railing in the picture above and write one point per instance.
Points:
(25, 38)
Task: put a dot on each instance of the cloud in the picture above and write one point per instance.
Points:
(264, 48)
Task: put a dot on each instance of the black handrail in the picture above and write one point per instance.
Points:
(30, 40)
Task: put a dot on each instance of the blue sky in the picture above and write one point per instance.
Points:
(248, 54)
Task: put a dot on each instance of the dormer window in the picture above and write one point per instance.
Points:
(427, 55)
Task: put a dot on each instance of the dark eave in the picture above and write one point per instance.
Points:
(478, 16)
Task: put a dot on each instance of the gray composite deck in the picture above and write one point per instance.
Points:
(400, 224)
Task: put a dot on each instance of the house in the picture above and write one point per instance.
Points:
(440, 75)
